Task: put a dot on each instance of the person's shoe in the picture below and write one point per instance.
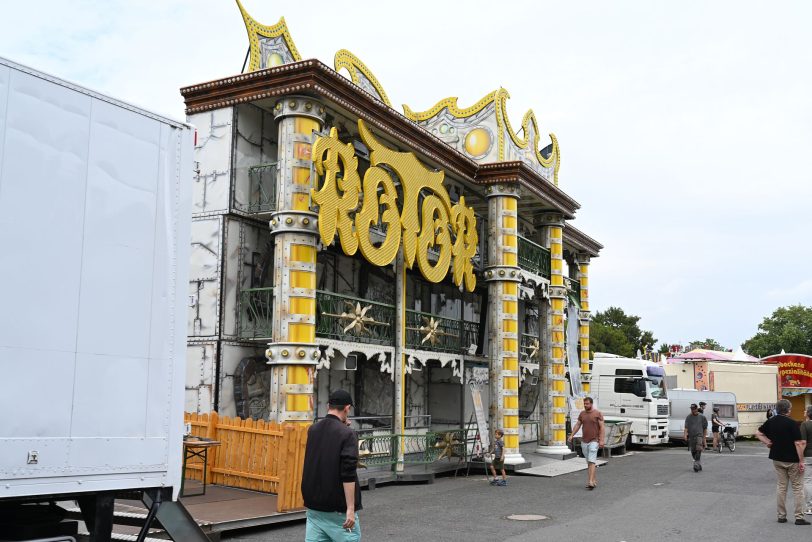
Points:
(493, 482)
(782, 520)
(502, 483)
(802, 522)
(696, 466)
(700, 466)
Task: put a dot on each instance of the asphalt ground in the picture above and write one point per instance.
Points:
(650, 495)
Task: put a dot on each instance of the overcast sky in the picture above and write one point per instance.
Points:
(685, 127)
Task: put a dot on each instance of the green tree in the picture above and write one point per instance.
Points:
(665, 348)
(615, 332)
(707, 344)
(788, 329)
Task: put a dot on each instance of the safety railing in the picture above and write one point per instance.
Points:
(256, 313)
(418, 448)
(426, 331)
(348, 318)
(534, 257)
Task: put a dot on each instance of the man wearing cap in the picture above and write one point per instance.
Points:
(696, 431)
(330, 487)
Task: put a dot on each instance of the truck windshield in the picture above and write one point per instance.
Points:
(656, 379)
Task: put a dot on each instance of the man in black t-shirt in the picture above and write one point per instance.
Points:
(783, 437)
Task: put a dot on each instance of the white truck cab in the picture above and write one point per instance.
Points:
(633, 390)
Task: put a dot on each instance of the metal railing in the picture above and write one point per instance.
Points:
(418, 448)
(256, 313)
(348, 318)
(573, 289)
(470, 336)
(426, 331)
(534, 257)
(262, 182)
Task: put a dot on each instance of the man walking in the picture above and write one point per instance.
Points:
(591, 420)
(696, 431)
(783, 437)
(330, 487)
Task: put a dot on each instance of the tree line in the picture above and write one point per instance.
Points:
(787, 328)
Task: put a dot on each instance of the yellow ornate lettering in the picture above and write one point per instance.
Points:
(334, 208)
(368, 216)
(434, 234)
(421, 224)
(463, 221)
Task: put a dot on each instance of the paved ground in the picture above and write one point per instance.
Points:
(648, 496)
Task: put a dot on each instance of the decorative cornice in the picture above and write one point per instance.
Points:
(581, 242)
(313, 78)
(520, 173)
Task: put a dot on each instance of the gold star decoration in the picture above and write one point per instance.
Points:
(448, 446)
(357, 318)
(533, 350)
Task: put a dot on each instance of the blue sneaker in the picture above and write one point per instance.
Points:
(494, 482)
(502, 483)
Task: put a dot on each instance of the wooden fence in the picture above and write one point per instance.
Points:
(253, 454)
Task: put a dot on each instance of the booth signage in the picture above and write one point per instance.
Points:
(426, 219)
(794, 370)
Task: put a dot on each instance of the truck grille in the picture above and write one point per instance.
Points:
(662, 410)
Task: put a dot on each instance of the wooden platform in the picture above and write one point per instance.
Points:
(220, 510)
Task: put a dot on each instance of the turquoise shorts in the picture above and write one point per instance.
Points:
(328, 527)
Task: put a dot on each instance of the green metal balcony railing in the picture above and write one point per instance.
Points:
(348, 318)
(256, 313)
(262, 182)
(425, 331)
(418, 448)
(534, 257)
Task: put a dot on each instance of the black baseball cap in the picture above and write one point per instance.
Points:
(340, 398)
(702, 403)
(693, 406)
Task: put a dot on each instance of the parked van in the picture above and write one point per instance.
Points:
(681, 399)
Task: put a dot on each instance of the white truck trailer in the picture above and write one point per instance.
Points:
(632, 390)
(94, 228)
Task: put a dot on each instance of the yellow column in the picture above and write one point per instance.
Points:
(503, 279)
(293, 353)
(584, 317)
(555, 418)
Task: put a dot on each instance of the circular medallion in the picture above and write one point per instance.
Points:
(477, 142)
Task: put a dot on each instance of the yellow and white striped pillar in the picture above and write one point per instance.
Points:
(555, 432)
(584, 317)
(502, 276)
(293, 354)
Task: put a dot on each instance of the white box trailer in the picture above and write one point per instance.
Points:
(95, 212)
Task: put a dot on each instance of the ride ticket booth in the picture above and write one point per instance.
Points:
(795, 380)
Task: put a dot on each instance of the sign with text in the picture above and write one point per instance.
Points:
(794, 370)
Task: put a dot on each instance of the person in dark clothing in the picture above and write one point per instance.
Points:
(330, 486)
(696, 431)
(783, 437)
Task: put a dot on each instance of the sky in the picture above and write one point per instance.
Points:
(685, 127)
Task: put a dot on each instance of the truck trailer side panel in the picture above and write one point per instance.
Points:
(95, 209)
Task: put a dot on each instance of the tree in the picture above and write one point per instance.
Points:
(707, 344)
(615, 332)
(665, 348)
(788, 329)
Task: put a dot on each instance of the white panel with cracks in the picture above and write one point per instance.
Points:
(212, 157)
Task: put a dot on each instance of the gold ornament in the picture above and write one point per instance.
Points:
(357, 318)
(448, 447)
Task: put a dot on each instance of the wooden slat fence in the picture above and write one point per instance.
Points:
(253, 454)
